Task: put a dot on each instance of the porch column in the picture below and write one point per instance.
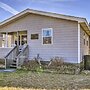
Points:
(1, 38)
(17, 38)
(6, 40)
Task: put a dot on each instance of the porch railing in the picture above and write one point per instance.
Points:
(11, 56)
(23, 56)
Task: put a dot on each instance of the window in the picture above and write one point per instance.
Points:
(84, 41)
(87, 43)
(84, 34)
(47, 35)
(34, 36)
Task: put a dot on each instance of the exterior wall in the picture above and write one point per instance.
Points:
(65, 36)
(84, 48)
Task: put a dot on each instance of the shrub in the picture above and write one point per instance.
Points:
(39, 69)
(30, 65)
(55, 62)
(56, 65)
(2, 63)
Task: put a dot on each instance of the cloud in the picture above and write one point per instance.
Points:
(8, 8)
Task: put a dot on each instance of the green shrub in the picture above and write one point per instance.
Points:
(30, 65)
(39, 69)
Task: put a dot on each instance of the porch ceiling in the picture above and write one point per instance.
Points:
(4, 32)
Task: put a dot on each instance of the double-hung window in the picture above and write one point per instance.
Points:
(47, 36)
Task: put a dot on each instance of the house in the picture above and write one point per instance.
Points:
(46, 34)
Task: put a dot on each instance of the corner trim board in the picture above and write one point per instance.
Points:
(78, 43)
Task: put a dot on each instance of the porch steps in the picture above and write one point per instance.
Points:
(13, 65)
(15, 54)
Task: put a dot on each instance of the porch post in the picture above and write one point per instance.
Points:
(17, 38)
(6, 40)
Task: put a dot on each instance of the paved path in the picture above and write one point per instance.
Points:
(7, 70)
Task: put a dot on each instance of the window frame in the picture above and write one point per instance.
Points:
(34, 38)
(84, 41)
(87, 42)
(51, 29)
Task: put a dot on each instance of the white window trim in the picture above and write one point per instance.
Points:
(46, 36)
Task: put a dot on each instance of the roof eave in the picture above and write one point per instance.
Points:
(85, 27)
(72, 18)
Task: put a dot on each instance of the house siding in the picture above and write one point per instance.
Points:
(65, 36)
(84, 49)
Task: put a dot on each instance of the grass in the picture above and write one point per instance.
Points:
(24, 80)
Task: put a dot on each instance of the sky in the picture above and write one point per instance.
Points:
(80, 8)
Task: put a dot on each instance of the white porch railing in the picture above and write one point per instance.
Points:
(3, 52)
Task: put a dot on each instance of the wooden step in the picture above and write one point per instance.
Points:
(14, 61)
(13, 66)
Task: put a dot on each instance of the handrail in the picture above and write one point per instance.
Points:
(10, 52)
(21, 60)
(23, 50)
(15, 55)
(11, 56)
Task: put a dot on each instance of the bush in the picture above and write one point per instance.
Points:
(55, 62)
(66, 68)
(32, 65)
(58, 65)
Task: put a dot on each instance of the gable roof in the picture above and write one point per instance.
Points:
(80, 20)
(27, 11)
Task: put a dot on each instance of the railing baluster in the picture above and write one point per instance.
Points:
(5, 63)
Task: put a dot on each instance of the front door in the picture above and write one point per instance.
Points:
(22, 40)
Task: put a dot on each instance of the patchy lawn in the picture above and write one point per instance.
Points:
(35, 80)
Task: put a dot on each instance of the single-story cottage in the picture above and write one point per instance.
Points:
(45, 34)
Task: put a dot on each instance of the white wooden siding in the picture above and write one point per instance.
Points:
(84, 48)
(65, 36)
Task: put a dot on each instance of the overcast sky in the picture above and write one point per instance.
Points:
(80, 8)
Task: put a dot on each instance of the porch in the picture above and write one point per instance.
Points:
(13, 48)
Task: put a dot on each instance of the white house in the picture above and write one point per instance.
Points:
(47, 34)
